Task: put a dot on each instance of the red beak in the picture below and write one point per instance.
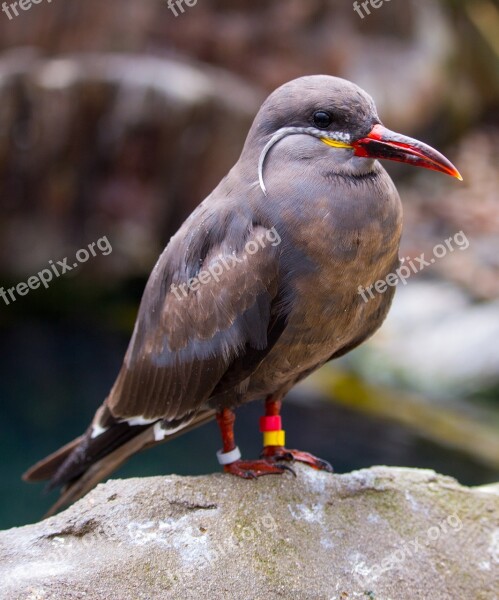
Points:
(385, 144)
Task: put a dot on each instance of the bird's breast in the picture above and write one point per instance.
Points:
(333, 247)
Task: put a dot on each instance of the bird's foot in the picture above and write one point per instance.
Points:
(249, 469)
(278, 453)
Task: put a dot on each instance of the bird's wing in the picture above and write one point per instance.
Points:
(187, 342)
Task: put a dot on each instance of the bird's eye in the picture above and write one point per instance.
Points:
(322, 119)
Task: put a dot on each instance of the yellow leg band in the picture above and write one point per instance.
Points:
(274, 438)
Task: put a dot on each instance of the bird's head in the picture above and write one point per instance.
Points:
(340, 115)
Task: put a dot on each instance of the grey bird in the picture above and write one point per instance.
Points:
(260, 285)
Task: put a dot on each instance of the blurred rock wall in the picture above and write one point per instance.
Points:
(117, 118)
(115, 145)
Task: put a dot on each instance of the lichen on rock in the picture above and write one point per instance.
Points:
(381, 533)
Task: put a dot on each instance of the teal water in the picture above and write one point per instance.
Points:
(53, 375)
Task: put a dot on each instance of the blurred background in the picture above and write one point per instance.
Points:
(117, 118)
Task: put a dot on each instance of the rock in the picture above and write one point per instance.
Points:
(400, 52)
(379, 533)
(121, 145)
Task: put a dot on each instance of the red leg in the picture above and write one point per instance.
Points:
(249, 469)
(277, 453)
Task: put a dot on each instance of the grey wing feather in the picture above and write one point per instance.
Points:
(183, 344)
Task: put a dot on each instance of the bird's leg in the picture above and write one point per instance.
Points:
(230, 456)
(273, 439)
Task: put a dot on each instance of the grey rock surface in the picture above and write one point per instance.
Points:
(381, 533)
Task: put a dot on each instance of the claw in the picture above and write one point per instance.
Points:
(277, 453)
(288, 468)
(250, 469)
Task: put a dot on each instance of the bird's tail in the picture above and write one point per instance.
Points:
(81, 464)
(44, 469)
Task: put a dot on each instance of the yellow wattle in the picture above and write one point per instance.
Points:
(335, 144)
